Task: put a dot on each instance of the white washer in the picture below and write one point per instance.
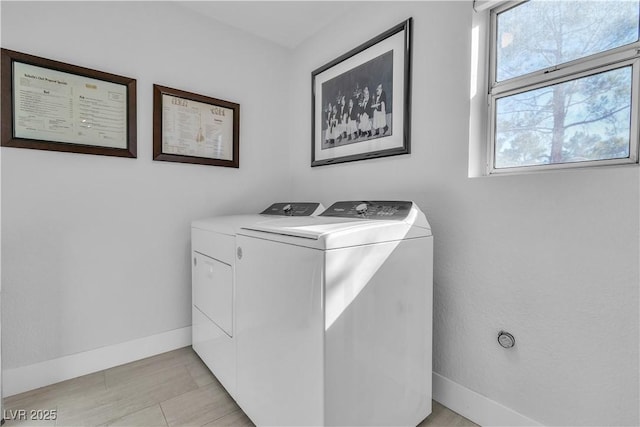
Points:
(214, 252)
(334, 317)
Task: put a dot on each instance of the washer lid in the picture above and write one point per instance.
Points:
(333, 231)
(227, 224)
(230, 224)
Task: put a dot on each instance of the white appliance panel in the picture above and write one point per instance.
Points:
(279, 333)
(214, 245)
(331, 232)
(212, 303)
(378, 356)
(215, 348)
(213, 290)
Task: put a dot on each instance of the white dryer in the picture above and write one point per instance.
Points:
(334, 317)
(213, 249)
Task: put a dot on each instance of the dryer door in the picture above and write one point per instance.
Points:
(213, 290)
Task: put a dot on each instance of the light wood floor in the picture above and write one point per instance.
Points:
(170, 389)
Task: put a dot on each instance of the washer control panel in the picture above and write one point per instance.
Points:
(291, 209)
(397, 210)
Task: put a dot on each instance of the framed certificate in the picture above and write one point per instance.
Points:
(192, 128)
(50, 105)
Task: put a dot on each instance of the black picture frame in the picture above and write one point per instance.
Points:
(55, 106)
(377, 121)
(188, 150)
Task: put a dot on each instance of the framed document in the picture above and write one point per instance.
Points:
(50, 105)
(192, 128)
(361, 101)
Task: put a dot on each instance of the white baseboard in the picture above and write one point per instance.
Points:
(466, 402)
(474, 406)
(41, 374)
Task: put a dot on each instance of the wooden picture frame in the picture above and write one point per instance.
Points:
(361, 101)
(193, 128)
(52, 105)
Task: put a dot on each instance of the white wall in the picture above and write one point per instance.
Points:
(552, 258)
(96, 249)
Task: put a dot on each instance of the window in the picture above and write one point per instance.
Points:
(564, 79)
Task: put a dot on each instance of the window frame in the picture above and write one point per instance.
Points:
(622, 56)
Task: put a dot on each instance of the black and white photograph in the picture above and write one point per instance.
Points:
(357, 103)
(361, 101)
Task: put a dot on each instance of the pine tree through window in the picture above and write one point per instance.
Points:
(564, 83)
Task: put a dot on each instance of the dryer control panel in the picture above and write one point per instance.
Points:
(396, 210)
(291, 209)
